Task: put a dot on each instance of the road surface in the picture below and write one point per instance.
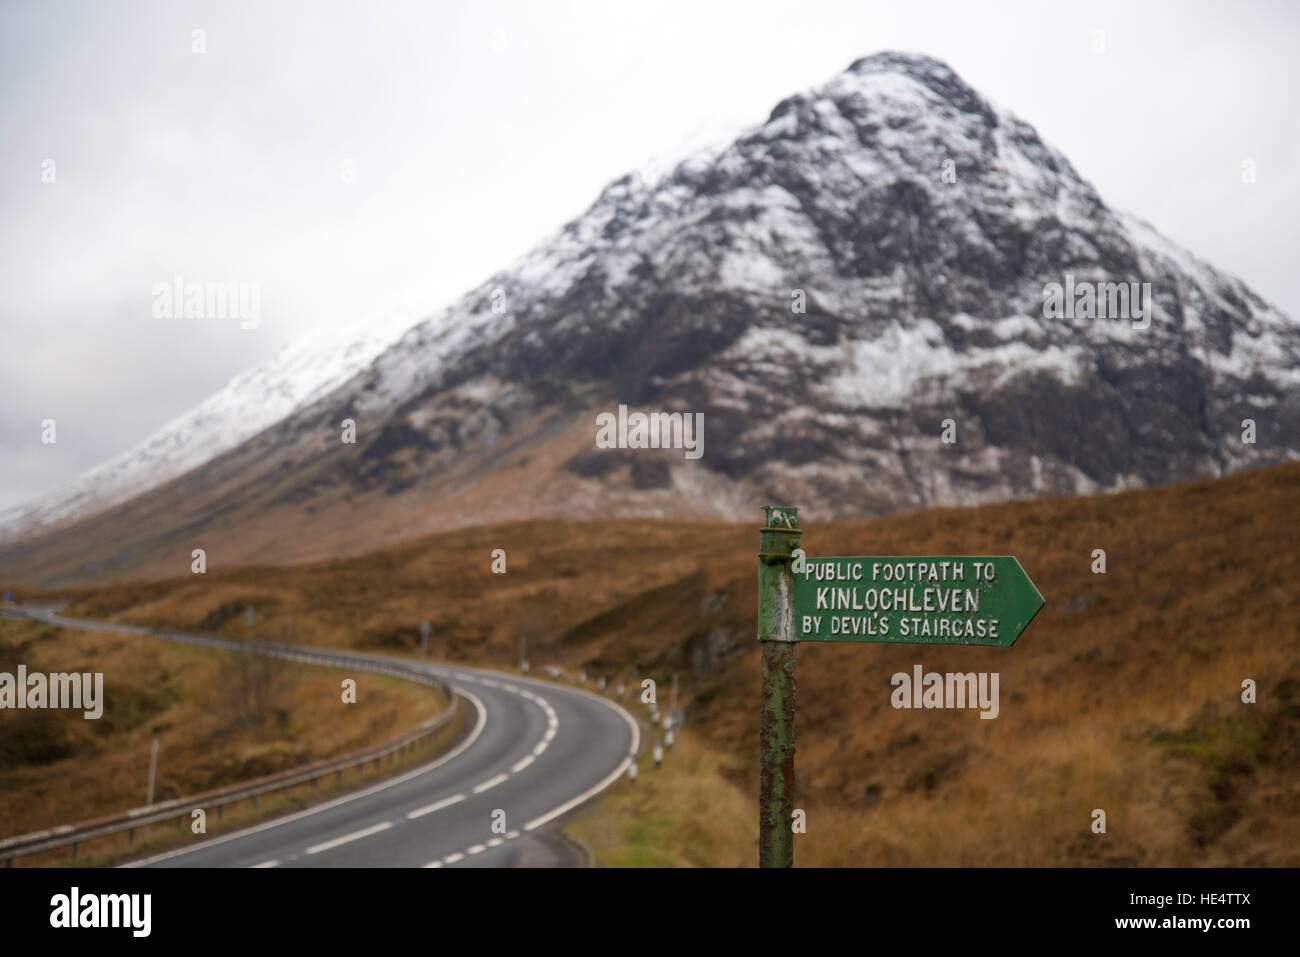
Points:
(534, 751)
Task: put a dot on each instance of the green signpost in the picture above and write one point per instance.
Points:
(932, 600)
(939, 600)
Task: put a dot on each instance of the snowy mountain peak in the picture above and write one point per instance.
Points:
(869, 263)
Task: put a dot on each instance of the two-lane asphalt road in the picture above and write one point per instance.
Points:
(535, 751)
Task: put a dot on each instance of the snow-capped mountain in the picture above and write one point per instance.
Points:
(263, 395)
(841, 290)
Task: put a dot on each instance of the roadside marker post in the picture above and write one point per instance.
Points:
(914, 599)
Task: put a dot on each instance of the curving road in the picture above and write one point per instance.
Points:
(534, 751)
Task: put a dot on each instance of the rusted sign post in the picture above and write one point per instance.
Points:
(930, 600)
(776, 635)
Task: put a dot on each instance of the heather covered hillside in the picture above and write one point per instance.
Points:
(1124, 694)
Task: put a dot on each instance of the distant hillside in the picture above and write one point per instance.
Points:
(1124, 693)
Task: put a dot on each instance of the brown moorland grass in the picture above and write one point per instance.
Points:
(220, 718)
(1123, 695)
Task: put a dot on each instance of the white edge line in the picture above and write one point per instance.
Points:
(478, 729)
(522, 763)
(415, 772)
(604, 782)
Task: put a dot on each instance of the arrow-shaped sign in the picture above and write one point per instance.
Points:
(929, 600)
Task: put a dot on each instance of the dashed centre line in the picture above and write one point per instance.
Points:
(349, 838)
(435, 806)
(552, 725)
(491, 783)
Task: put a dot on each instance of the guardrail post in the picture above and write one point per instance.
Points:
(130, 837)
(76, 849)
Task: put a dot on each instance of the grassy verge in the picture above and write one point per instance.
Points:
(685, 814)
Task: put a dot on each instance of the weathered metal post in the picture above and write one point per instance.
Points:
(778, 539)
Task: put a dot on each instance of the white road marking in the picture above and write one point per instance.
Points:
(552, 724)
(604, 782)
(349, 838)
(522, 763)
(568, 805)
(435, 806)
(490, 783)
(267, 864)
(366, 792)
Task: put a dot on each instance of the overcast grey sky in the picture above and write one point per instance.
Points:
(474, 129)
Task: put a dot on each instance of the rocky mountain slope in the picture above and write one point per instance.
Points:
(837, 289)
